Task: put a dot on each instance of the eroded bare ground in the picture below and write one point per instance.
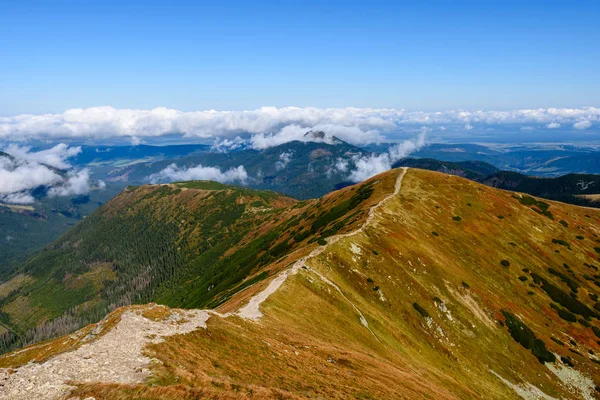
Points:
(113, 357)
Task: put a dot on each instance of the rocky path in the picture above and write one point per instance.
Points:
(114, 357)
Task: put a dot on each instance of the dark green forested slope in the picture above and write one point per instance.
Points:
(25, 229)
(564, 188)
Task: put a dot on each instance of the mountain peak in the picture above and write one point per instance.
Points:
(3, 154)
(321, 136)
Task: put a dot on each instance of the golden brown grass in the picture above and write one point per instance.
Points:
(382, 184)
(156, 312)
(235, 359)
(212, 390)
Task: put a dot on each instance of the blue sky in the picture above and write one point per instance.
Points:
(234, 55)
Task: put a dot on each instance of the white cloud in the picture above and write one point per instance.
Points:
(136, 141)
(101, 185)
(284, 159)
(288, 133)
(368, 166)
(351, 134)
(270, 125)
(55, 157)
(17, 198)
(173, 173)
(27, 170)
(20, 175)
(553, 125)
(225, 145)
(108, 122)
(341, 165)
(582, 124)
(77, 183)
(407, 147)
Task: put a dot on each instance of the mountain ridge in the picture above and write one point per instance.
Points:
(445, 276)
(307, 169)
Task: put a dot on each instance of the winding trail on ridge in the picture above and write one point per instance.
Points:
(252, 309)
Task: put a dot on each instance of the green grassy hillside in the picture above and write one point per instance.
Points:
(26, 229)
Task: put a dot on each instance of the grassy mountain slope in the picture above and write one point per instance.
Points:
(190, 244)
(25, 230)
(452, 290)
(28, 228)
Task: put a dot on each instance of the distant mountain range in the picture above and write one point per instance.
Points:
(299, 169)
(536, 159)
(111, 155)
(533, 159)
(474, 170)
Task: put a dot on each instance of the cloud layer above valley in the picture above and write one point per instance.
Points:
(22, 171)
(269, 126)
(354, 167)
(173, 173)
(373, 164)
(258, 129)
